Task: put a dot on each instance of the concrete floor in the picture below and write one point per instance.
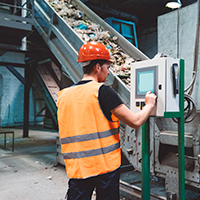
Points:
(29, 173)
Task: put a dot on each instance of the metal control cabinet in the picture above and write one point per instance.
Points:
(160, 76)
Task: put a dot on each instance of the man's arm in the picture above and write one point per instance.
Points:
(135, 120)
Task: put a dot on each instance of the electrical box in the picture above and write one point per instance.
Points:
(160, 76)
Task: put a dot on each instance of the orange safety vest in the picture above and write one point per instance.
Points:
(90, 143)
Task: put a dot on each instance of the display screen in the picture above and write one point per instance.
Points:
(146, 80)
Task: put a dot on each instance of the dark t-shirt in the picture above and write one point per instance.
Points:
(108, 99)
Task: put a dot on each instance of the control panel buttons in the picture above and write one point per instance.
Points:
(137, 104)
(142, 105)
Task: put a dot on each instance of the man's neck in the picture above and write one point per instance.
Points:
(89, 77)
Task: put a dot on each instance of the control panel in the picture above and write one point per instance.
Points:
(161, 77)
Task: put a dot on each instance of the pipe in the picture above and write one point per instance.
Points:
(24, 14)
(115, 13)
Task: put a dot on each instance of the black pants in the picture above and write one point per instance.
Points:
(107, 187)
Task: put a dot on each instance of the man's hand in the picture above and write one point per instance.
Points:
(150, 99)
(135, 120)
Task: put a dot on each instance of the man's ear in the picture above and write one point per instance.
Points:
(97, 68)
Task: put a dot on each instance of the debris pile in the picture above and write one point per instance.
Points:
(89, 31)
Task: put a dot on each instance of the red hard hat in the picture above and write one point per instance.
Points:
(93, 51)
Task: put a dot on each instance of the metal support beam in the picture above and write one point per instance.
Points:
(26, 105)
(16, 73)
(29, 76)
(181, 137)
(145, 161)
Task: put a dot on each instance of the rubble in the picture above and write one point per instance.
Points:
(89, 31)
(49, 177)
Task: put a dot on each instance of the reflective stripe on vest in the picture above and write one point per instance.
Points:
(90, 143)
(95, 152)
(92, 136)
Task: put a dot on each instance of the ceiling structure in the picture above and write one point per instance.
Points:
(142, 11)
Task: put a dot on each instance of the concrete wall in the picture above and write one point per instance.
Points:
(147, 40)
(176, 38)
(12, 99)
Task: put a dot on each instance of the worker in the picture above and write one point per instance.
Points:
(89, 115)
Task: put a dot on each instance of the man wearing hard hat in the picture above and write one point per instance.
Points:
(89, 115)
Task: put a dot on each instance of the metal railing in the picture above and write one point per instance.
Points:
(19, 11)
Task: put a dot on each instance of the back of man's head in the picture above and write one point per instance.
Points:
(88, 66)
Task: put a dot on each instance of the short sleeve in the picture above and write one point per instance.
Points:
(108, 100)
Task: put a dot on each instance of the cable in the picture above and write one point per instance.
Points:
(189, 110)
(191, 83)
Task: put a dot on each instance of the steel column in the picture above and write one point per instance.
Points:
(26, 104)
(30, 70)
(145, 161)
(181, 137)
